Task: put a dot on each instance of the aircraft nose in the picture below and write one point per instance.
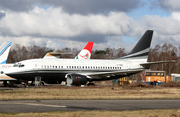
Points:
(8, 72)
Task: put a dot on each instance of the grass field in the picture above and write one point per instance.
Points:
(141, 113)
(97, 92)
(62, 92)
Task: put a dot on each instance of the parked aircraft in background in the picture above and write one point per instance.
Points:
(4, 52)
(85, 53)
(79, 72)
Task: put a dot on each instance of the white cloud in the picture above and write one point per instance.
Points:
(176, 15)
(53, 22)
(57, 29)
(25, 41)
(170, 4)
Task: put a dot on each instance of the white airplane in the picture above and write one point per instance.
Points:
(79, 72)
(51, 55)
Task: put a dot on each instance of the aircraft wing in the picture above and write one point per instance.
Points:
(113, 73)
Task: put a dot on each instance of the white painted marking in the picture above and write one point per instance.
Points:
(32, 104)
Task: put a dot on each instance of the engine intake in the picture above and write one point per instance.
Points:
(76, 79)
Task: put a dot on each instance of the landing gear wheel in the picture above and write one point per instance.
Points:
(26, 86)
(5, 83)
(90, 84)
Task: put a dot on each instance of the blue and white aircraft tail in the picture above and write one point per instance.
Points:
(4, 51)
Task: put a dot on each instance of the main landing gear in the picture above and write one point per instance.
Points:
(90, 84)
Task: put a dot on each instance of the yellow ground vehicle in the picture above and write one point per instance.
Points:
(159, 76)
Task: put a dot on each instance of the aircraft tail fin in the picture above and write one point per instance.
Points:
(141, 49)
(84, 54)
(4, 51)
(86, 51)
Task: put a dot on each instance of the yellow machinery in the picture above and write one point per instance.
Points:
(159, 76)
(124, 81)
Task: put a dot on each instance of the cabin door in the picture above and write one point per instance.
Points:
(36, 67)
(128, 66)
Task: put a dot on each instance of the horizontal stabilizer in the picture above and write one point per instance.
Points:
(147, 65)
(54, 55)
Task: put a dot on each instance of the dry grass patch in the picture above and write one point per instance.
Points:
(90, 93)
(171, 84)
(141, 113)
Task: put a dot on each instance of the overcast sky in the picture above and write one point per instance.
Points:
(72, 23)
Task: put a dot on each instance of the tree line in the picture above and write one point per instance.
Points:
(163, 52)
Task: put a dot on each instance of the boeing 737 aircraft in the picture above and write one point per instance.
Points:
(84, 54)
(79, 72)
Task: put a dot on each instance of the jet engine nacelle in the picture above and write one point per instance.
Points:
(76, 79)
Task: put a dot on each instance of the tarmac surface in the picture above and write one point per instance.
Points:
(14, 106)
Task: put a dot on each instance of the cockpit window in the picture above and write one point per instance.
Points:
(18, 65)
(21, 65)
(15, 65)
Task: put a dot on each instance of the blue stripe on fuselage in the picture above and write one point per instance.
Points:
(4, 62)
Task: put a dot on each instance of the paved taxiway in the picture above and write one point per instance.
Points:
(12, 106)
